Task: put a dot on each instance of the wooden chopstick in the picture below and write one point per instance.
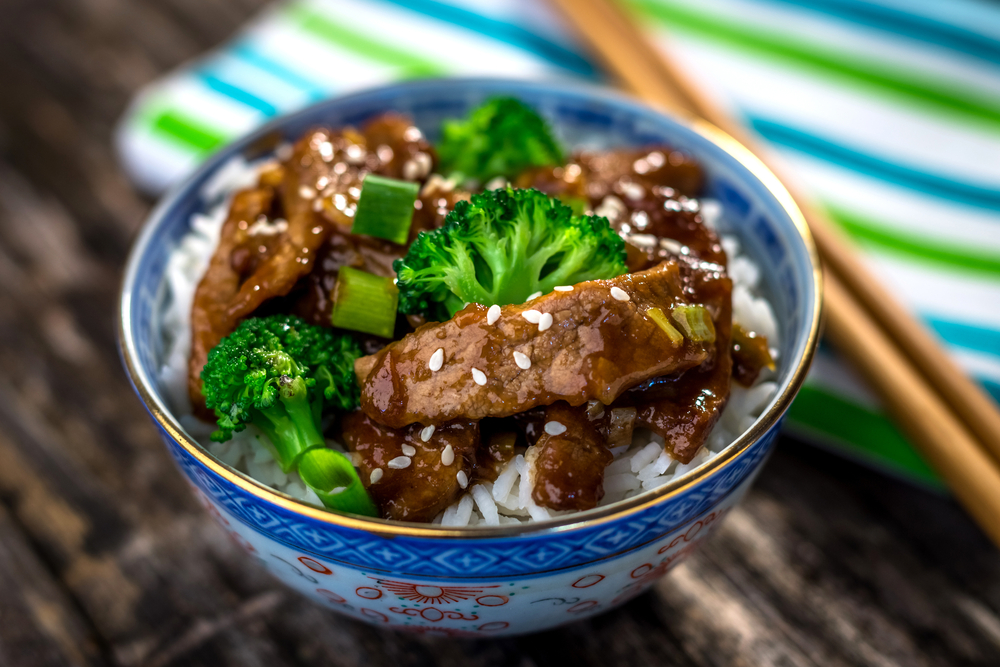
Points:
(919, 383)
(663, 83)
(971, 473)
(977, 410)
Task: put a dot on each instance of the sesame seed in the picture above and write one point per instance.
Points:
(554, 428)
(644, 240)
(409, 450)
(355, 154)
(479, 376)
(463, 479)
(619, 293)
(493, 314)
(437, 360)
(563, 288)
(411, 171)
(532, 316)
(673, 246)
(534, 296)
(496, 183)
(376, 475)
(633, 191)
(448, 456)
(337, 489)
(423, 161)
(426, 432)
(399, 463)
(384, 153)
(522, 360)
(611, 208)
(545, 321)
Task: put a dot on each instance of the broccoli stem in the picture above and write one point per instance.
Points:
(281, 374)
(290, 424)
(332, 476)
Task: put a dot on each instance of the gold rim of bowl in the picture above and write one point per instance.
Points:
(579, 520)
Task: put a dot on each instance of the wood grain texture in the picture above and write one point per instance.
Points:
(105, 559)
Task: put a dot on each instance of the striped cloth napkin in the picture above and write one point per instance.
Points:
(889, 110)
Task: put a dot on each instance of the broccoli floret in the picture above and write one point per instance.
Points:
(282, 374)
(502, 247)
(502, 137)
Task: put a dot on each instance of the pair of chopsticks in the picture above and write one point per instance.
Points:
(947, 417)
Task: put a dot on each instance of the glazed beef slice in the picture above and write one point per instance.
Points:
(592, 342)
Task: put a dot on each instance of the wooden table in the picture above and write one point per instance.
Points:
(106, 559)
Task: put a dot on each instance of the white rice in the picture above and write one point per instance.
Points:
(641, 466)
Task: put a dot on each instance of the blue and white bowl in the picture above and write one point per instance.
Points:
(511, 579)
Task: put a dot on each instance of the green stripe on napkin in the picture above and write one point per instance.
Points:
(878, 78)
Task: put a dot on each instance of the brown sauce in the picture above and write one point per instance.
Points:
(600, 367)
(689, 404)
(569, 465)
(595, 347)
(494, 454)
(751, 355)
(430, 480)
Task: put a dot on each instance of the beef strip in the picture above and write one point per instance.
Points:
(593, 175)
(647, 195)
(210, 317)
(235, 283)
(390, 145)
(316, 191)
(424, 488)
(401, 148)
(689, 404)
(595, 347)
(653, 209)
(437, 198)
(569, 466)
(658, 224)
(293, 254)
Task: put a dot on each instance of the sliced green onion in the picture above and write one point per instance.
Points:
(661, 320)
(385, 209)
(696, 322)
(334, 479)
(364, 302)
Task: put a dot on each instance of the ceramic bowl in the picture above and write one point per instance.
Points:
(510, 579)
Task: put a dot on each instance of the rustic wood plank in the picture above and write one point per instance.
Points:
(39, 624)
(826, 563)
